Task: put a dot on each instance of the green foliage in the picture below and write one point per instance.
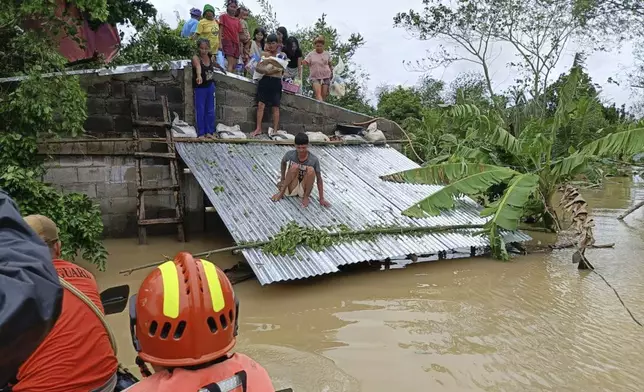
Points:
(478, 154)
(399, 103)
(156, 44)
(292, 235)
(41, 107)
(430, 91)
(459, 179)
(79, 220)
(136, 13)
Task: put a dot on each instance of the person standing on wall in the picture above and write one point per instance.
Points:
(282, 36)
(208, 28)
(190, 27)
(259, 40)
(77, 355)
(294, 53)
(319, 62)
(269, 87)
(231, 30)
(245, 38)
(203, 84)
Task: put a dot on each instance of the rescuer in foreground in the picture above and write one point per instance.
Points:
(183, 322)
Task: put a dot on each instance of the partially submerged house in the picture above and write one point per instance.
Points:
(239, 180)
(115, 164)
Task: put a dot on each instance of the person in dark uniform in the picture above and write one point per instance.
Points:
(30, 293)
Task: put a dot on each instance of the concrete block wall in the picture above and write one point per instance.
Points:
(111, 182)
(109, 100)
(235, 101)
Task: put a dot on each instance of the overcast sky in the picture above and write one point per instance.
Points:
(387, 46)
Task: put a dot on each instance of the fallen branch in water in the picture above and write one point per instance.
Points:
(348, 234)
(630, 210)
(535, 228)
(567, 245)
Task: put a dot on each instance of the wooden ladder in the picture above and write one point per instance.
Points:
(171, 156)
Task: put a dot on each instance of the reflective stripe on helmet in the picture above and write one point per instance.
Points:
(214, 285)
(170, 277)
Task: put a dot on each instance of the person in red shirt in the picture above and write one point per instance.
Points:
(230, 31)
(184, 322)
(77, 355)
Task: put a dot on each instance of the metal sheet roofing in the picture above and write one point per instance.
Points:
(239, 180)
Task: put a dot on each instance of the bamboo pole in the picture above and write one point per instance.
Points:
(269, 142)
(98, 140)
(224, 141)
(257, 244)
(631, 210)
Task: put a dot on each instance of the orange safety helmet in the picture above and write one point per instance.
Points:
(185, 314)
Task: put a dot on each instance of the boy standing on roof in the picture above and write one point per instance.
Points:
(298, 171)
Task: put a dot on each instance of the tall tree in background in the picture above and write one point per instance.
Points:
(431, 91)
(537, 32)
(468, 29)
(135, 13)
(156, 44)
(615, 20)
(399, 103)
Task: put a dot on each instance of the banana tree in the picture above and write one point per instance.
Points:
(535, 174)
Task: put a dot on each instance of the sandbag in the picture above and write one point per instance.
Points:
(229, 132)
(350, 138)
(279, 135)
(317, 137)
(374, 135)
(181, 128)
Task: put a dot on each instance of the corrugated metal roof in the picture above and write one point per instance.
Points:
(239, 180)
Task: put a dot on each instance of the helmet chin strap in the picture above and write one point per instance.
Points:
(143, 367)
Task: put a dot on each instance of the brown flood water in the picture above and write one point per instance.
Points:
(533, 324)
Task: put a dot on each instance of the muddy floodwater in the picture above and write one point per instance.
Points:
(533, 324)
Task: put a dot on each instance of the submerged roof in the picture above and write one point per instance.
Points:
(239, 180)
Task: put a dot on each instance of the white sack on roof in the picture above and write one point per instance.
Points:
(279, 135)
(317, 137)
(374, 135)
(230, 132)
(181, 128)
(350, 138)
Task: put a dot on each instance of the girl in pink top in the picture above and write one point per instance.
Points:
(319, 62)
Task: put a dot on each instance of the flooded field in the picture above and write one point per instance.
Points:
(532, 324)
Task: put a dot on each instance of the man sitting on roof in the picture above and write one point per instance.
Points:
(299, 169)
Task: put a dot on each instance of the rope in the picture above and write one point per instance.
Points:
(79, 294)
(620, 299)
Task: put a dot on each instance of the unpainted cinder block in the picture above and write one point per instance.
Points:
(92, 174)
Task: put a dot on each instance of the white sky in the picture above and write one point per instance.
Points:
(386, 46)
